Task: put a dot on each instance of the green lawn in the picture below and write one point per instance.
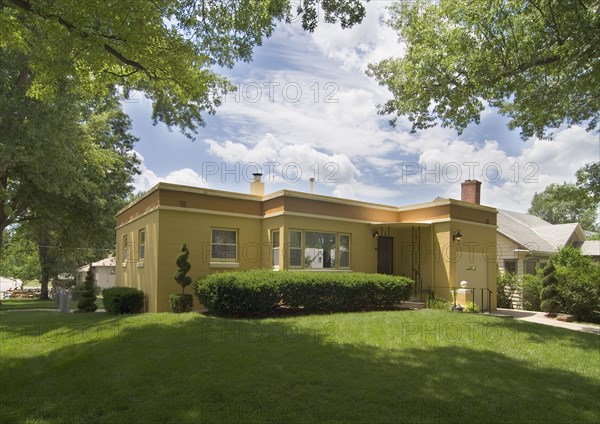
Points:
(12, 304)
(376, 367)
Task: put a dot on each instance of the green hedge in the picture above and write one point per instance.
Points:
(123, 300)
(260, 292)
(181, 302)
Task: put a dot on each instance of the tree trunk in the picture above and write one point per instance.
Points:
(44, 260)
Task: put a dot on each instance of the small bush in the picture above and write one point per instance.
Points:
(181, 302)
(506, 285)
(260, 292)
(471, 307)
(434, 302)
(532, 289)
(123, 300)
(579, 292)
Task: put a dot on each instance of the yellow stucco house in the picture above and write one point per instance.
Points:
(438, 244)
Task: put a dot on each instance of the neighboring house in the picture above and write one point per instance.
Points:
(591, 248)
(104, 272)
(305, 232)
(526, 242)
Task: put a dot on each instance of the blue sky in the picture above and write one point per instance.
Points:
(305, 108)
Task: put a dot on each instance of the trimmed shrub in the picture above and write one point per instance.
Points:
(260, 292)
(123, 300)
(532, 289)
(181, 302)
(549, 295)
(88, 296)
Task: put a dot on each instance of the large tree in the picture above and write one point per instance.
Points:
(19, 258)
(565, 203)
(65, 168)
(166, 49)
(538, 62)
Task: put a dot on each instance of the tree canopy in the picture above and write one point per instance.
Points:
(167, 49)
(538, 62)
(66, 167)
(565, 203)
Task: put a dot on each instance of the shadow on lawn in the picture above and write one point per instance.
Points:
(212, 370)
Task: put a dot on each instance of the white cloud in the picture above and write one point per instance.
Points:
(509, 181)
(291, 165)
(370, 42)
(148, 178)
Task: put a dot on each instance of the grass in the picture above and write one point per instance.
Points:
(19, 304)
(375, 367)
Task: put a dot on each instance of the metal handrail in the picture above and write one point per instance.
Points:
(431, 291)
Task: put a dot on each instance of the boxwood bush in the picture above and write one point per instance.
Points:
(123, 300)
(259, 292)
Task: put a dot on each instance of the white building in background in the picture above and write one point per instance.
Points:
(7, 283)
(104, 272)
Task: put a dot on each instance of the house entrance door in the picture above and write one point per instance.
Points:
(385, 250)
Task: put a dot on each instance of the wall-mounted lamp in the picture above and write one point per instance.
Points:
(376, 235)
(457, 236)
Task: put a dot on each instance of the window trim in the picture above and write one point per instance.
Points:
(349, 250)
(141, 245)
(303, 247)
(124, 249)
(275, 250)
(513, 261)
(221, 262)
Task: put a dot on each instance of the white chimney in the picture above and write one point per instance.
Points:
(312, 184)
(257, 186)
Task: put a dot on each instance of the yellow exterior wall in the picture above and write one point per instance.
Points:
(168, 226)
(130, 271)
(194, 229)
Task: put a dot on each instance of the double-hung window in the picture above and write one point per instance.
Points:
(275, 251)
(124, 248)
(142, 245)
(223, 245)
(295, 248)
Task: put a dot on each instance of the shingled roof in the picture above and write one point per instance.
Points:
(535, 234)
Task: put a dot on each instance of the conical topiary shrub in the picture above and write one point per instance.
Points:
(182, 302)
(88, 297)
(549, 295)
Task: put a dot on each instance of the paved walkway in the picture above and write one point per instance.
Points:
(540, 318)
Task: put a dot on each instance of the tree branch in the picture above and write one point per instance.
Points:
(26, 6)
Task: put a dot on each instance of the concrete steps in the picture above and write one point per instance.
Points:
(412, 304)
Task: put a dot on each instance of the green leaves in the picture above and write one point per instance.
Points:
(166, 49)
(184, 266)
(536, 61)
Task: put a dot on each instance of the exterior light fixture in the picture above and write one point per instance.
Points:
(376, 235)
(457, 236)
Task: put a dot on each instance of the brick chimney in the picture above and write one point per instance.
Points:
(471, 191)
(257, 186)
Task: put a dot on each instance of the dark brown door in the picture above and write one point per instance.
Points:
(385, 248)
